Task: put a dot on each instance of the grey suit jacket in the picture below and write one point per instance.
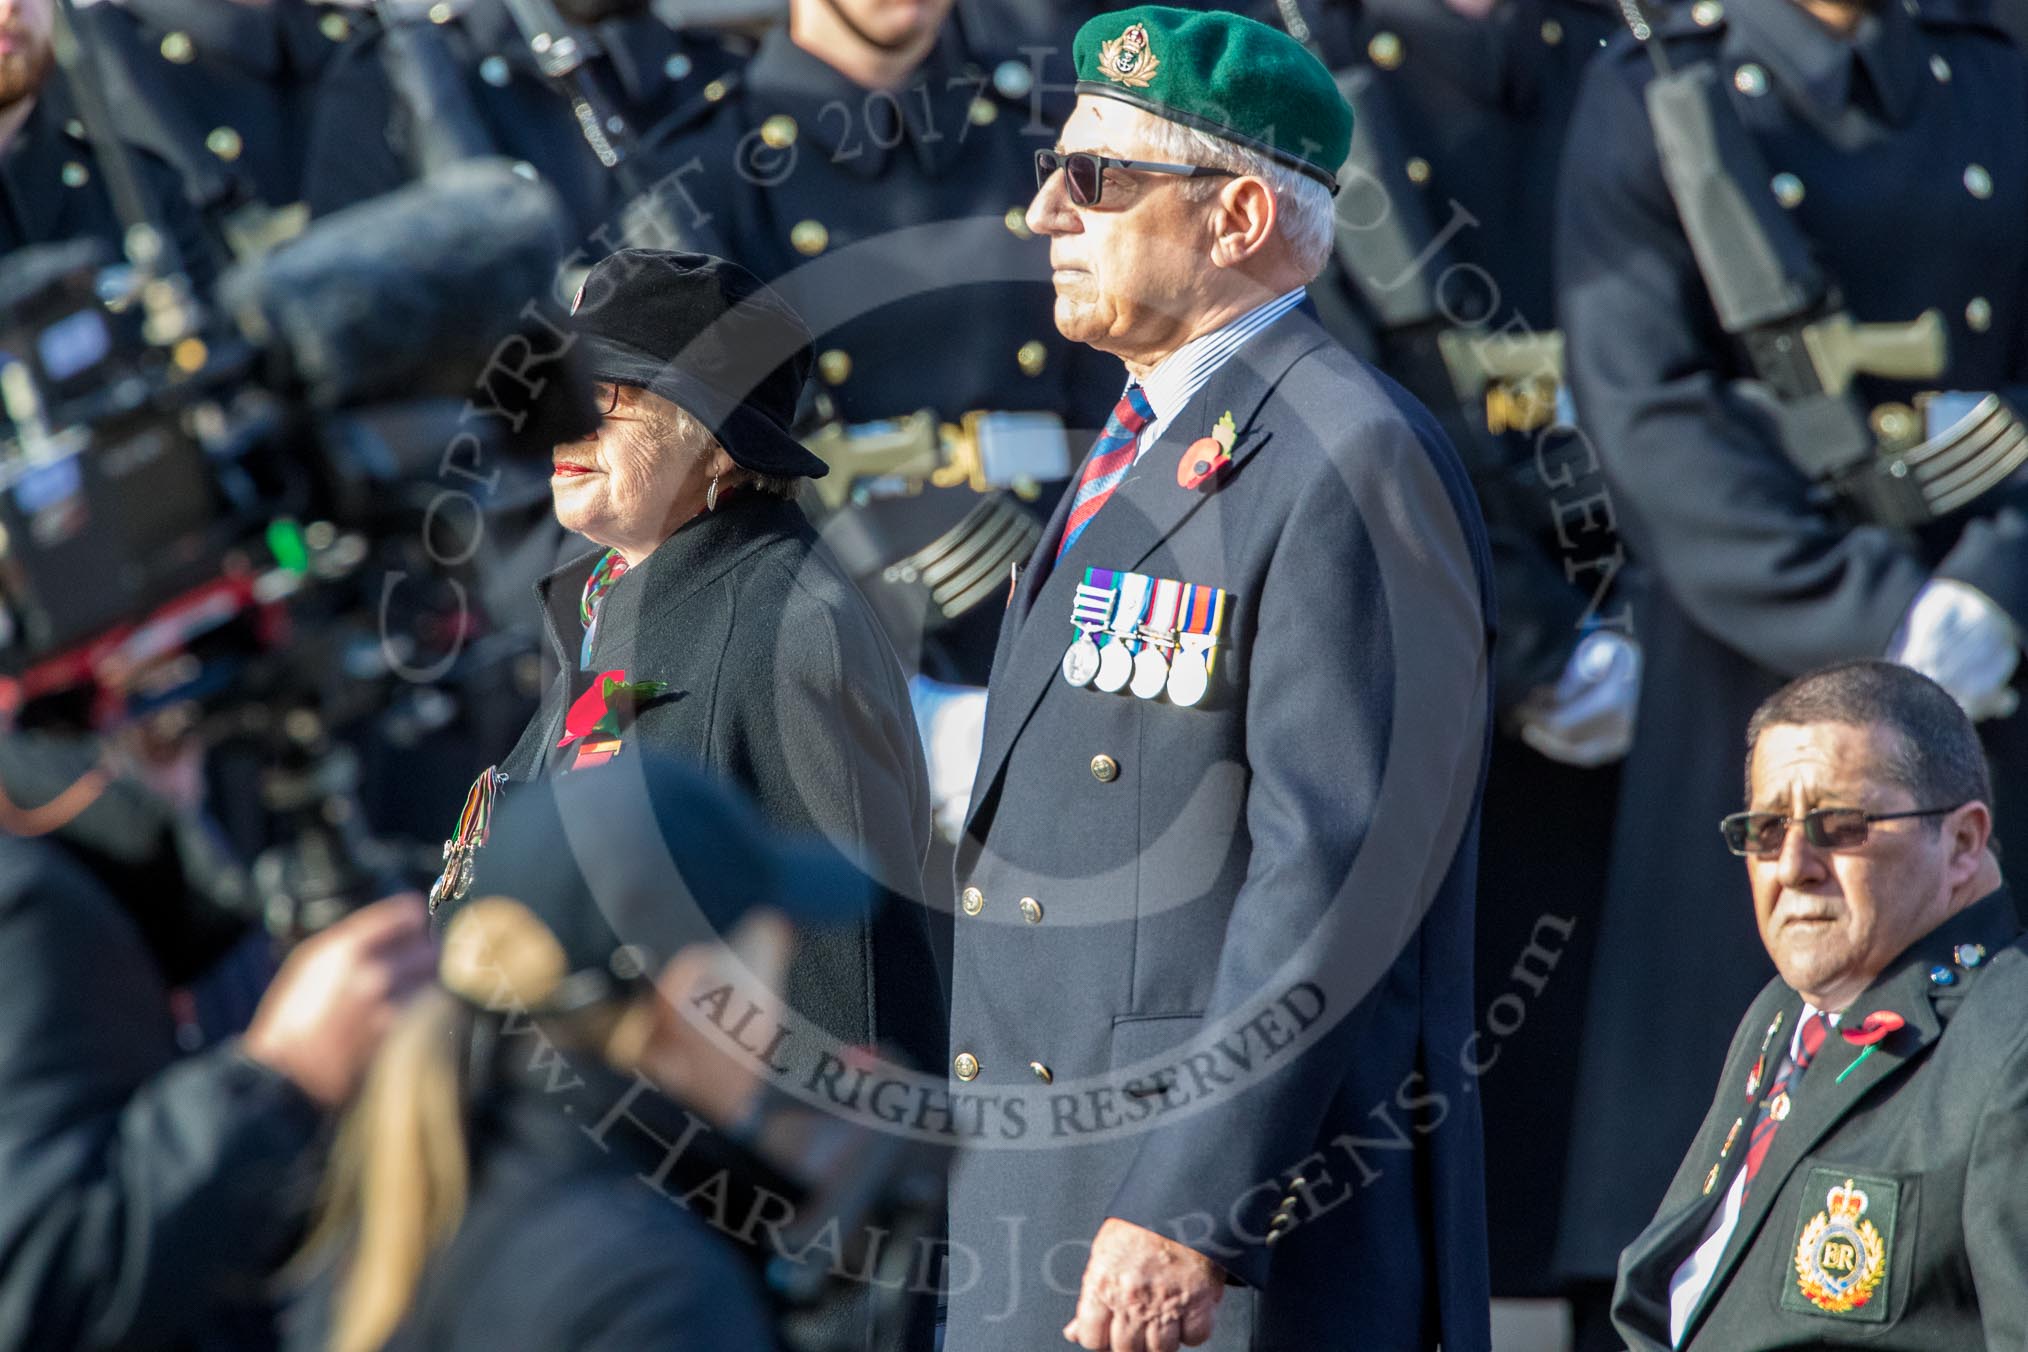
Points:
(1929, 1129)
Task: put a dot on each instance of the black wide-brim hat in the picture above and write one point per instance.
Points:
(706, 335)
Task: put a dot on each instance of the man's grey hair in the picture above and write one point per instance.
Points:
(1302, 204)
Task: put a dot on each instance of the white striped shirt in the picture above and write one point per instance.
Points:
(1176, 379)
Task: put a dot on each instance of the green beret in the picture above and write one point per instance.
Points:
(1223, 73)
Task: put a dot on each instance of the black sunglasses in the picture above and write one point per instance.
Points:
(1084, 173)
(1762, 834)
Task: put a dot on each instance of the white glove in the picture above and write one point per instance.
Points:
(952, 721)
(1957, 637)
(1587, 718)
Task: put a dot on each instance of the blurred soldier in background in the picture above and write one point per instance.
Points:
(1797, 491)
(874, 166)
(53, 186)
(153, 1170)
(563, 92)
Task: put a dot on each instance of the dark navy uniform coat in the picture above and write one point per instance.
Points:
(1754, 578)
(1213, 963)
(1931, 1127)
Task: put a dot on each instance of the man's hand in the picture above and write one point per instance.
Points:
(1587, 718)
(327, 1010)
(1144, 1293)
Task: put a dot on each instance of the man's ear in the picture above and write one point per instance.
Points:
(1246, 216)
(1967, 832)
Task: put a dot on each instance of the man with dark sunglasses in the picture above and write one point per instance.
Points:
(1215, 891)
(1857, 1180)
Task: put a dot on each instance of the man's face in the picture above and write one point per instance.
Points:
(1128, 272)
(1832, 921)
(892, 23)
(634, 480)
(24, 48)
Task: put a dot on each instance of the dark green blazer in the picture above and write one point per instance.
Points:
(1929, 1128)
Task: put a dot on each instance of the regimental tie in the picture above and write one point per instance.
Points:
(1774, 1109)
(1110, 460)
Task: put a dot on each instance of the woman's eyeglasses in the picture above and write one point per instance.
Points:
(1084, 173)
(605, 397)
(1762, 834)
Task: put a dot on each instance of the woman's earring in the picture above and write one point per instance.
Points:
(711, 495)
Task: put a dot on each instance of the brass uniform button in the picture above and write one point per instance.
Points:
(973, 900)
(1941, 69)
(809, 238)
(1788, 190)
(966, 1065)
(1017, 223)
(714, 91)
(1705, 13)
(334, 27)
(442, 14)
(1750, 80)
(177, 48)
(1104, 768)
(1552, 32)
(835, 366)
(1978, 182)
(75, 175)
(779, 131)
(1896, 425)
(225, 143)
(1031, 910)
(983, 112)
(1418, 170)
(1032, 357)
(1979, 314)
(1386, 51)
(1041, 1072)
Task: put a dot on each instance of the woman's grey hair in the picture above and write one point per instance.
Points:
(1302, 204)
(699, 437)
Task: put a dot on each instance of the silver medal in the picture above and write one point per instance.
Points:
(1116, 668)
(1151, 672)
(1081, 661)
(1187, 679)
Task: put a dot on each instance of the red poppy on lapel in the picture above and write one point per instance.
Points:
(609, 704)
(1204, 458)
(1873, 1028)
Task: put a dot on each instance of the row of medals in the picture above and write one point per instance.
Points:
(1101, 659)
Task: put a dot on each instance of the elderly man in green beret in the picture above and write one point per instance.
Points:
(1211, 1038)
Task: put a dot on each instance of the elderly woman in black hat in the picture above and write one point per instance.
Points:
(708, 623)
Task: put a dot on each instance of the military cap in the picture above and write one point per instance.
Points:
(1221, 73)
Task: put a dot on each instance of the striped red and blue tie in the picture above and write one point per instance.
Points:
(1110, 460)
(1774, 1109)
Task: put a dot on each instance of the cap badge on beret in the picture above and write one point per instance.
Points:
(1128, 59)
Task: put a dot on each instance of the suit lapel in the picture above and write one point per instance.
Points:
(1147, 507)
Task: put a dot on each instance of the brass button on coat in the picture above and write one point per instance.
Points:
(1041, 1072)
(1385, 51)
(1032, 357)
(779, 131)
(1031, 910)
(1104, 768)
(967, 1066)
(973, 900)
(809, 237)
(835, 366)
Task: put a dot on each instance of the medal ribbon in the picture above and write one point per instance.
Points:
(604, 574)
(1161, 626)
(1203, 613)
(1095, 596)
(476, 821)
(1133, 604)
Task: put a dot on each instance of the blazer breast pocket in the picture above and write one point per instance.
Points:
(1851, 1247)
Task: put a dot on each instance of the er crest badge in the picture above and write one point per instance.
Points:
(1840, 1256)
(1127, 59)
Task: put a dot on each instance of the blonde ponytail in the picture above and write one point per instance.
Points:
(400, 1169)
